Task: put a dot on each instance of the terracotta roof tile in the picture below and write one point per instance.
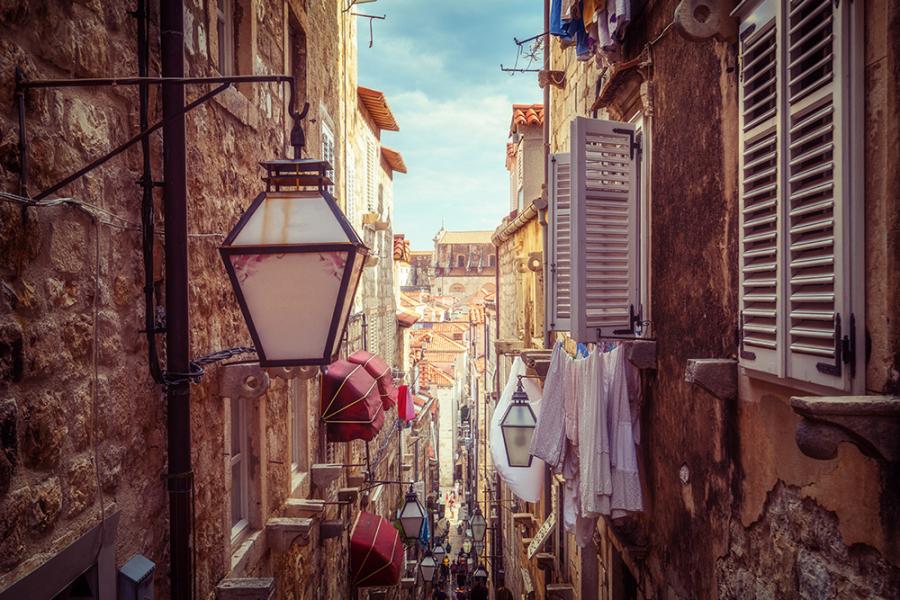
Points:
(377, 107)
(394, 159)
(406, 318)
(526, 114)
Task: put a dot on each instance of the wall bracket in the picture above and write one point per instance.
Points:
(871, 423)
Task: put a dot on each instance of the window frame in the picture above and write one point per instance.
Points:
(299, 458)
(226, 55)
(329, 153)
(786, 366)
(240, 528)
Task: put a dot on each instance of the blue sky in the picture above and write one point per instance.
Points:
(439, 65)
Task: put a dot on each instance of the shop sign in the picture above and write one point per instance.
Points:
(542, 534)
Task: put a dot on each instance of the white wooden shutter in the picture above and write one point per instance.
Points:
(760, 220)
(605, 229)
(817, 190)
(372, 163)
(559, 278)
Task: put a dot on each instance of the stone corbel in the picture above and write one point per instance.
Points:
(284, 532)
(407, 583)
(304, 507)
(374, 221)
(642, 353)
(718, 376)
(323, 474)
(560, 591)
(523, 518)
(554, 78)
(330, 529)
(507, 347)
(243, 380)
(348, 494)
(545, 560)
(871, 423)
(246, 588)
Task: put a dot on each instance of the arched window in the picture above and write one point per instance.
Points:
(457, 288)
(460, 261)
(492, 260)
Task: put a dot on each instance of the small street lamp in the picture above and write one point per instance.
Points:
(427, 567)
(467, 546)
(478, 546)
(438, 552)
(480, 573)
(478, 525)
(294, 261)
(518, 426)
(412, 515)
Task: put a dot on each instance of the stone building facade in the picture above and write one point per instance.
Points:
(756, 490)
(463, 262)
(83, 424)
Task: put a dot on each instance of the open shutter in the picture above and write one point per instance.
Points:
(760, 220)
(605, 229)
(559, 288)
(816, 192)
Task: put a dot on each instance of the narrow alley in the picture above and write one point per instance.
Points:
(472, 300)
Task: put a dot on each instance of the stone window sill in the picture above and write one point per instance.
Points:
(247, 553)
(239, 106)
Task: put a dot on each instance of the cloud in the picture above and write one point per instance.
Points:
(438, 63)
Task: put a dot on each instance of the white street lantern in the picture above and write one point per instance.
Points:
(478, 546)
(478, 525)
(480, 573)
(412, 515)
(438, 553)
(427, 567)
(467, 545)
(518, 426)
(295, 262)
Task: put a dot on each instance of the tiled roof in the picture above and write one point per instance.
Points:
(406, 318)
(448, 358)
(450, 327)
(476, 314)
(394, 159)
(377, 107)
(433, 375)
(442, 343)
(464, 237)
(526, 114)
(401, 248)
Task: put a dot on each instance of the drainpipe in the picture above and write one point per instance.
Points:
(179, 478)
(542, 214)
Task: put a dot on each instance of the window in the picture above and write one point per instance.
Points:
(225, 36)
(559, 278)
(299, 429)
(594, 264)
(240, 517)
(350, 193)
(492, 261)
(328, 154)
(800, 240)
(457, 288)
(372, 163)
(460, 261)
(296, 59)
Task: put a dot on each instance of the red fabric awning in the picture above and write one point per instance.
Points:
(381, 371)
(376, 552)
(351, 404)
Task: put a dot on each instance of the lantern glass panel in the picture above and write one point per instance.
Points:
(291, 218)
(478, 524)
(518, 428)
(427, 567)
(412, 517)
(288, 295)
(347, 300)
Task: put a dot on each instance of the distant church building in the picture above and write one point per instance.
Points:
(463, 263)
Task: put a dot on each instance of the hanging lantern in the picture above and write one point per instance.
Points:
(478, 547)
(427, 567)
(412, 515)
(518, 426)
(467, 545)
(294, 261)
(438, 552)
(478, 525)
(480, 573)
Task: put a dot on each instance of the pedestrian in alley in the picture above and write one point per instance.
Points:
(479, 591)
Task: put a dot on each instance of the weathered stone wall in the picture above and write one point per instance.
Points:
(79, 415)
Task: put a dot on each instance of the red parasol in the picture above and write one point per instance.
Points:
(351, 406)
(376, 552)
(380, 370)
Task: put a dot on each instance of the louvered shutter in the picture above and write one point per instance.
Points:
(559, 288)
(371, 174)
(817, 189)
(760, 220)
(605, 229)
